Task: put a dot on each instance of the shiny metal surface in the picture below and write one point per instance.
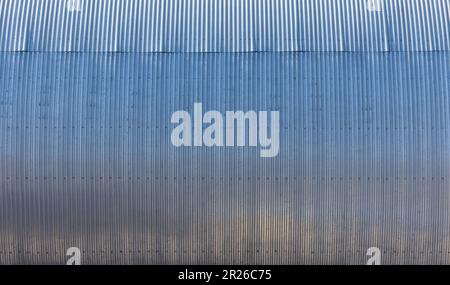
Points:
(87, 90)
(224, 26)
(86, 159)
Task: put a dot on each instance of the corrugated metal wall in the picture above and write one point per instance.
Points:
(86, 158)
(219, 26)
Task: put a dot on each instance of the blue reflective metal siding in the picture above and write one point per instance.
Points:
(85, 152)
(224, 26)
(86, 159)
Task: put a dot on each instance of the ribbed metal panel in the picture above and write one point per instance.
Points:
(224, 26)
(86, 159)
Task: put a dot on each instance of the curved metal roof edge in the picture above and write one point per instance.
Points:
(224, 26)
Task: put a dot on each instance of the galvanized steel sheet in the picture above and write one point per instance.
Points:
(86, 159)
(88, 88)
(224, 26)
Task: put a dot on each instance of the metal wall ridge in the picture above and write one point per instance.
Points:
(224, 26)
